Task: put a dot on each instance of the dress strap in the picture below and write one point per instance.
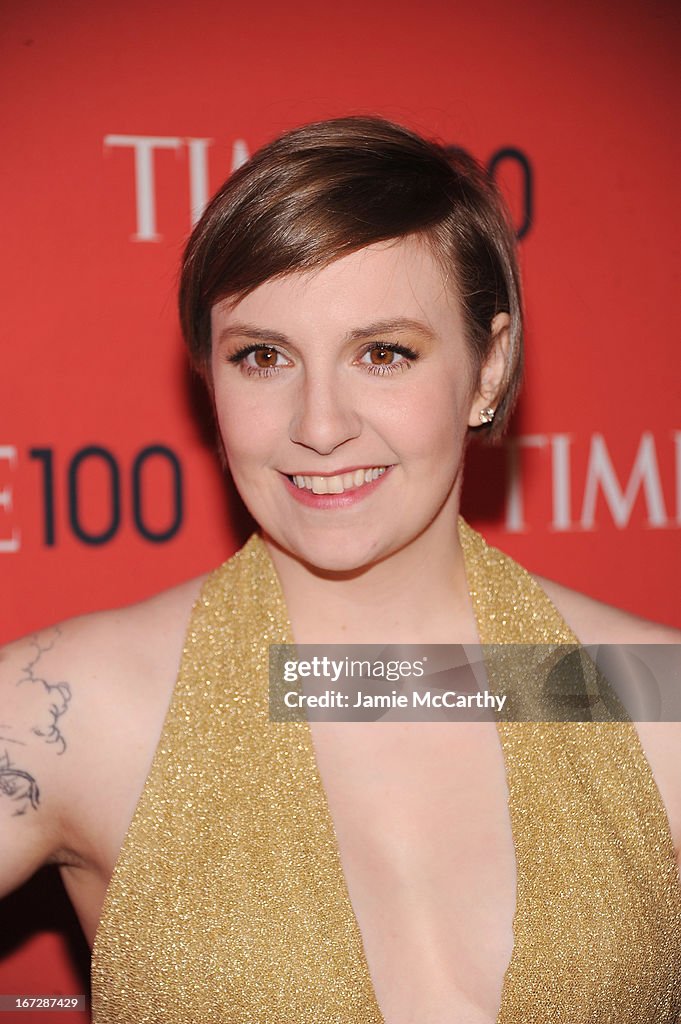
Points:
(597, 926)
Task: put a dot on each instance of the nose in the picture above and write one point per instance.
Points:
(324, 416)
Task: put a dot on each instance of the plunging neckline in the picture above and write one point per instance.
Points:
(362, 958)
(519, 901)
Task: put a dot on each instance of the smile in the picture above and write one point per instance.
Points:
(338, 484)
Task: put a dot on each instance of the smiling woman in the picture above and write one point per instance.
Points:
(351, 299)
(367, 371)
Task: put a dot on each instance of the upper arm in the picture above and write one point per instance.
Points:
(34, 736)
(81, 708)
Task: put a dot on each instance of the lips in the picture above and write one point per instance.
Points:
(339, 497)
(337, 483)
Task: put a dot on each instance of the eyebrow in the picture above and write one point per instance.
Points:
(390, 326)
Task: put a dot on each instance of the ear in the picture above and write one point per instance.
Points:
(492, 371)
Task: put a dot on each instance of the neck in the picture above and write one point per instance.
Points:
(419, 594)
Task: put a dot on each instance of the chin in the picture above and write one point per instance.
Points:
(334, 553)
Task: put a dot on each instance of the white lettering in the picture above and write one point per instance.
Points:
(601, 474)
(514, 497)
(240, 154)
(560, 478)
(145, 181)
(8, 545)
(198, 177)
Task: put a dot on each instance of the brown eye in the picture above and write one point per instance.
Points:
(265, 357)
(384, 359)
(381, 356)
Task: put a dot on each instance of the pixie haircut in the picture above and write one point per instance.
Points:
(325, 190)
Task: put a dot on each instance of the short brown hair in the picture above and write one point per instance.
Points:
(327, 189)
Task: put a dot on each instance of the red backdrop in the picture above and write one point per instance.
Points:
(119, 121)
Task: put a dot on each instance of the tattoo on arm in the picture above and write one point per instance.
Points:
(41, 722)
(20, 787)
(57, 695)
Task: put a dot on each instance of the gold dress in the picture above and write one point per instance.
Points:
(228, 901)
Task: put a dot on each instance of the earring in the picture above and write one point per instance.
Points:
(487, 415)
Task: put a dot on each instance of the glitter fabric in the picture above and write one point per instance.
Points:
(228, 901)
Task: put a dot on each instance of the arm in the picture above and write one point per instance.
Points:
(81, 710)
(35, 706)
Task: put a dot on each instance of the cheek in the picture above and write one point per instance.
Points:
(249, 429)
(434, 421)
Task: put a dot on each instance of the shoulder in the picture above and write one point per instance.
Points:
(595, 622)
(120, 644)
(82, 704)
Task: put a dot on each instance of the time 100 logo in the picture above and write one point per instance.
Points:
(147, 461)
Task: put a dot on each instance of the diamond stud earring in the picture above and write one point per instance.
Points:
(487, 415)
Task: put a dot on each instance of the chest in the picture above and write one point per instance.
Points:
(420, 812)
(372, 876)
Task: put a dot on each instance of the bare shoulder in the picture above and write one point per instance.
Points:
(132, 646)
(595, 622)
(82, 704)
(124, 648)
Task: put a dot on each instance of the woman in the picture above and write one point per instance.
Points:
(351, 299)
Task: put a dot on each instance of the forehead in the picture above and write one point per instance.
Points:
(398, 278)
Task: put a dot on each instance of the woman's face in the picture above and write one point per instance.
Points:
(343, 396)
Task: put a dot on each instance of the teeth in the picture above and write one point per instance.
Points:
(338, 484)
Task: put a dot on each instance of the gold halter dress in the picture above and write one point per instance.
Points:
(228, 901)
